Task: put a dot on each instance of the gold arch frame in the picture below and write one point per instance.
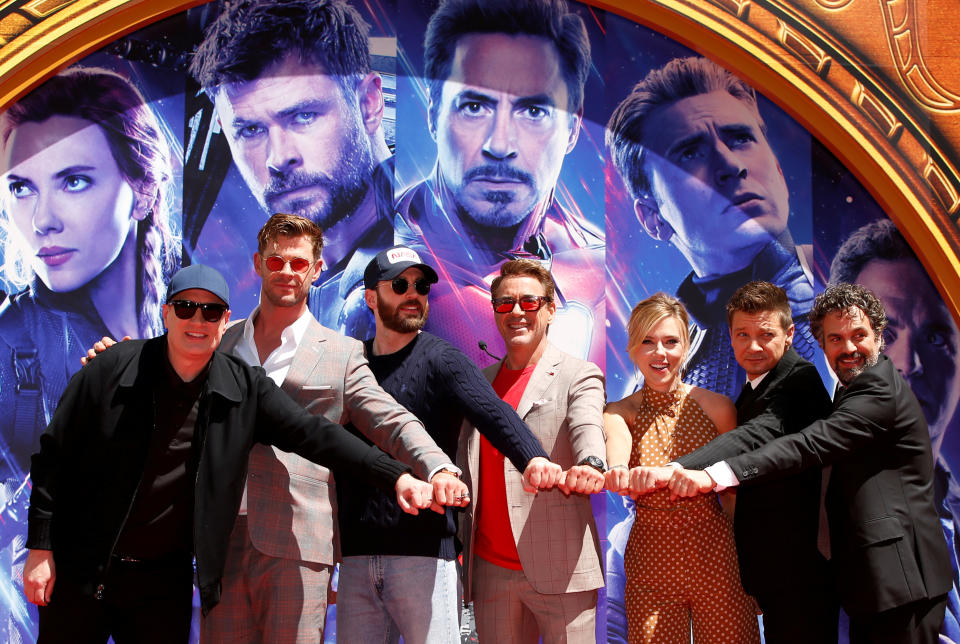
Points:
(883, 111)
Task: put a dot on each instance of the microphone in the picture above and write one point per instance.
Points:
(483, 347)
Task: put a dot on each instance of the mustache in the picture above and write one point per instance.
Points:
(853, 355)
(281, 183)
(498, 171)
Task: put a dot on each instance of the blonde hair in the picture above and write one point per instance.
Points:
(649, 312)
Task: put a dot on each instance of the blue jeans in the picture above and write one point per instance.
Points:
(382, 597)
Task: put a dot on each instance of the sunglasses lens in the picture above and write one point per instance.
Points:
(184, 309)
(212, 312)
(530, 303)
(422, 286)
(503, 304)
(299, 264)
(399, 285)
(274, 263)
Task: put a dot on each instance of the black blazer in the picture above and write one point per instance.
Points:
(888, 549)
(775, 524)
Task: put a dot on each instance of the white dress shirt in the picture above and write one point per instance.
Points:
(277, 363)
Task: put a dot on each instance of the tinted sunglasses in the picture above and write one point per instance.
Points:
(297, 264)
(400, 285)
(185, 309)
(528, 303)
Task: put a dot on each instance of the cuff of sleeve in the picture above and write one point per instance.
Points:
(450, 467)
(38, 535)
(722, 476)
(385, 470)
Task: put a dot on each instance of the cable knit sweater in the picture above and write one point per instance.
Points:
(441, 387)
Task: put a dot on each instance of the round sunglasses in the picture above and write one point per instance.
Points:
(528, 303)
(185, 309)
(400, 285)
(276, 263)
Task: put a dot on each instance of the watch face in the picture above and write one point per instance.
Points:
(594, 462)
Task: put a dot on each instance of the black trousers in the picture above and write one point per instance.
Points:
(803, 617)
(141, 602)
(914, 623)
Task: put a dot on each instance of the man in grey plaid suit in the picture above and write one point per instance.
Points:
(532, 562)
(284, 543)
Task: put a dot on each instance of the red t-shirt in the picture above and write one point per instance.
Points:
(494, 540)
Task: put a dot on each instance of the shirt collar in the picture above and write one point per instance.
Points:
(755, 382)
(293, 333)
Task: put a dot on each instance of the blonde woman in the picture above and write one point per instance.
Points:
(680, 561)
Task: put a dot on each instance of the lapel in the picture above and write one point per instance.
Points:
(307, 359)
(773, 379)
(544, 375)
(231, 337)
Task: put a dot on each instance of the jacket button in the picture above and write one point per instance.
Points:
(745, 473)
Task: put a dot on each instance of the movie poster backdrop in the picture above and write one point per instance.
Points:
(585, 228)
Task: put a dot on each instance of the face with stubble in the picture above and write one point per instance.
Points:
(299, 140)
(287, 287)
(503, 127)
(402, 312)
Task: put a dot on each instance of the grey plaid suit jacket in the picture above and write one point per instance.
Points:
(555, 535)
(290, 501)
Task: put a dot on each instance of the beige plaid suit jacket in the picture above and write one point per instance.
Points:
(291, 502)
(555, 535)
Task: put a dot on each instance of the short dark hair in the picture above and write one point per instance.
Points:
(877, 240)
(845, 297)
(251, 35)
(678, 79)
(290, 226)
(550, 19)
(758, 297)
(525, 268)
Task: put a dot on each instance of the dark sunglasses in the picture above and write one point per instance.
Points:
(528, 303)
(185, 309)
(276, 263)
(400, 285)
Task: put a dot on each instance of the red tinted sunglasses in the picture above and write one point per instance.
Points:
(297, 264)
(185, 309)
(528, 303)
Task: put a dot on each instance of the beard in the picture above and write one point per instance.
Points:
(288, 299)
(345, 186)
(402, 323)
(846, 376)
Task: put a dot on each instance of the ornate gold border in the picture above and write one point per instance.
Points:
(880, 130)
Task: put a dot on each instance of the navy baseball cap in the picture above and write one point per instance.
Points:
(393, 261)
(202, 277)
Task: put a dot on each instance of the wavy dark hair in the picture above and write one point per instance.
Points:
(846, 297)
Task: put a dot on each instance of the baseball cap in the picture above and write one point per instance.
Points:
(202, 277)
(393, 261)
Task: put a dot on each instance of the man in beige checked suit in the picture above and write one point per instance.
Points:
(532, 562)
(283, 548)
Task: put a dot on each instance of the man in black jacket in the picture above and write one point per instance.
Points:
(142, 469)
(891, 563)
(776, 523)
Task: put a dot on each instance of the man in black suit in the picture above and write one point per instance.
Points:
(891, 563)
(776, 523)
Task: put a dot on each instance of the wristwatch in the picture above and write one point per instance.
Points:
(594, 462)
